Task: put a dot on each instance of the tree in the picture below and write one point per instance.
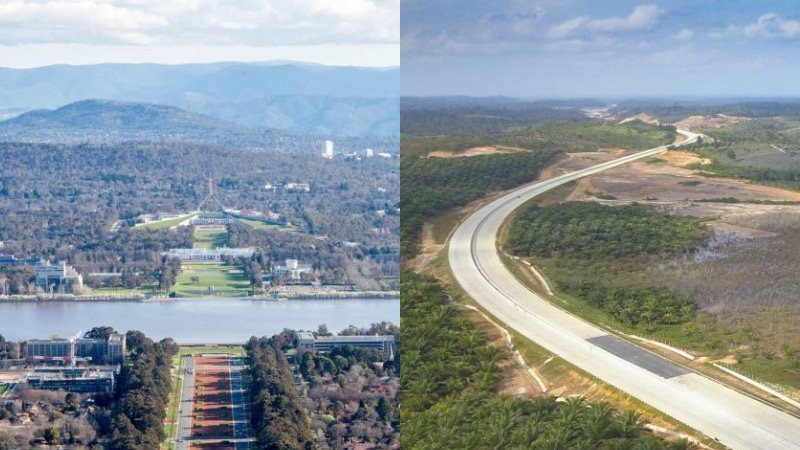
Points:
(52, 436)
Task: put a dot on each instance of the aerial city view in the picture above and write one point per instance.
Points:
(215, 215)
(600, 221)
(199, 225)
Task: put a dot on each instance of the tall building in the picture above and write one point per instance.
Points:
(328, 150)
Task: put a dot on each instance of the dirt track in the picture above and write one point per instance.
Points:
(212, 407)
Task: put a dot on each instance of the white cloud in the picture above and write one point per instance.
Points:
(643, 17)
(194, 22)
(567, 27)
(772, 25)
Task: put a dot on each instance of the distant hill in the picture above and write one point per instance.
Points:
(345, 101)
(323, 115)
(109, 122)
(103, 121)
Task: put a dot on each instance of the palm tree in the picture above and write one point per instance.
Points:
(630, 424)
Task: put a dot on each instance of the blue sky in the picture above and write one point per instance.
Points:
(344, 32)
(571, 48)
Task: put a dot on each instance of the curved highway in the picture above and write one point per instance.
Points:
(734, 419)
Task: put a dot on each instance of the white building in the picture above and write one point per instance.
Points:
(58, 277)
(369, 152)
(328, 150)
(298, 187)
(208, 255)
(293, 270)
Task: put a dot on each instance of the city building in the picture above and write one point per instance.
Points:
(328, 150)
(212, 218)
(72, 379)
(58, 277)
(306, 342)
(77, 349)
(11, 260)
(298, 187)
(292, 270)
(208, 254)
(369, 153)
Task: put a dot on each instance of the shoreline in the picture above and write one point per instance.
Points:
(68, 298)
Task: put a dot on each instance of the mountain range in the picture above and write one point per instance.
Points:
(296, 97)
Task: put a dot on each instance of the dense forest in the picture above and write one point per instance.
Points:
(97, 185)
(353, 398)
(436, 185)
(142, 395)
(586, 230)
(449, 382)
(277, 416)
(423, 119)
(575, 240)
(647, 307)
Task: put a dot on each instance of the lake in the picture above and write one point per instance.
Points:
(191, 321)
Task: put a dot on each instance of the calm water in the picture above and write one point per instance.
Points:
(192, 321)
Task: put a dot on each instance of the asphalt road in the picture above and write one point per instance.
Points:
(187, 403)
(736, 420)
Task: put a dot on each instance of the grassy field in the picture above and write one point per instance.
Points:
(119, 292)
(262, 225)
(164, 223)
(209, 238)
(222, 279)
(173, 409)
(222, 349)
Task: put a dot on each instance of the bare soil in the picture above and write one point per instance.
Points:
(474, 151)
(709, 122)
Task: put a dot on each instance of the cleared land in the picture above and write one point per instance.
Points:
(743, 279)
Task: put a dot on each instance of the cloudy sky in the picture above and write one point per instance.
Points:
(348, 32)
(574, 48)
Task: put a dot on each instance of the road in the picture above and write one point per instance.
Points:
(185, 410)
(736, 420)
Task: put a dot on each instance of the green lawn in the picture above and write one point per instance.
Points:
(264, 225)
(164, 223)
(223, 349)
(225, 280)
(209, 238)
(117, 291)
(173, 409)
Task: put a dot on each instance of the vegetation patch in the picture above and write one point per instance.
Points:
(210, 279)
(438, 185)
(587, 230)
(449, 389)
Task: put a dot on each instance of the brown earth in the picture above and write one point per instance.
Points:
(212, 401)
(474, 151)
(682, 159)
(709, 122)
(646, 118)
